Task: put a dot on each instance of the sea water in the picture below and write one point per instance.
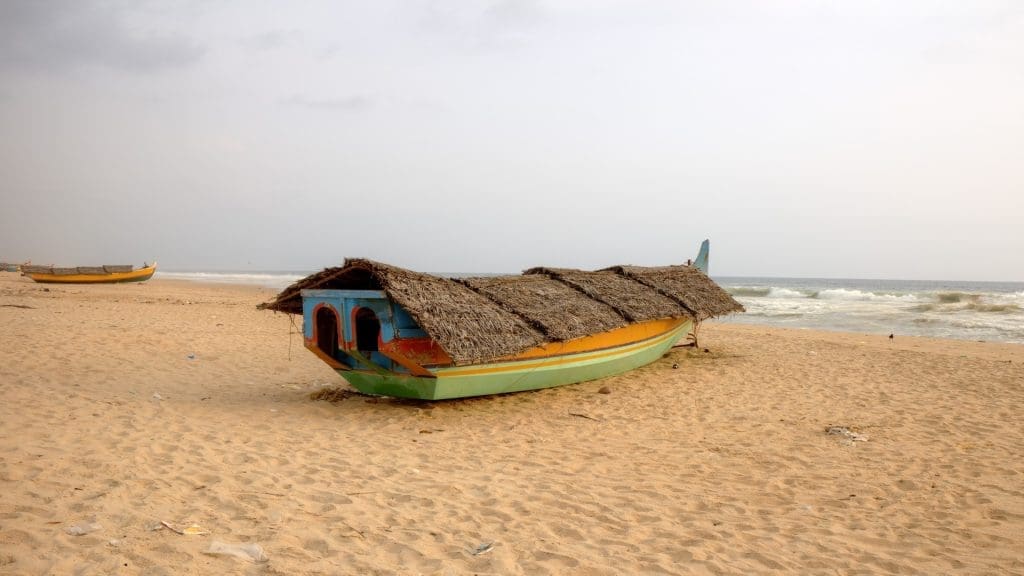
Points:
(266, 279)
(990, 311)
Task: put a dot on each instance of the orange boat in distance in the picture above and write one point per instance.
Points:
(108, 274)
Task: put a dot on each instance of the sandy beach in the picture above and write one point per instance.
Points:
(136, 414)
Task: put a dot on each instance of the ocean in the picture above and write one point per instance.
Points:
(266, 279)
(989, 311)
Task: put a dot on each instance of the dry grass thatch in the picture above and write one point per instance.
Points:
(634, 301)
(467, 325)
(556, 309)
(289, 300)
(686, 285)
(333, 394)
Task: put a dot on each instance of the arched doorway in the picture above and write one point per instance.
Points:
(367, 330)
(327, 332)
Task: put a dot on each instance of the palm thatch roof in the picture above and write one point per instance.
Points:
(634, 301)
(687, 286)
(289, 300)
(467, 325)
(554, 308)
(481, 319)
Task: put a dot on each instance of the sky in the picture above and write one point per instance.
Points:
(860, 139)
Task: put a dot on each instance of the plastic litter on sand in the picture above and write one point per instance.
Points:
(83, 528)
(252, 551)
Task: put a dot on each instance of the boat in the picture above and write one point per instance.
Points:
(389, 331)
(107, 274)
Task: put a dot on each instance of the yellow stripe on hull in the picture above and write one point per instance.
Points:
(610, 339)
(515, 376)
(586, 349)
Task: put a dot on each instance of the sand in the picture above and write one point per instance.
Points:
(125, 406)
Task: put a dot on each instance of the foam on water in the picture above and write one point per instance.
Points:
(966, 310)
(860, 295)
(749, 291)
(266, 279)
(775, 292)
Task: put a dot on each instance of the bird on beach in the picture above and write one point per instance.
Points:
(891, 336)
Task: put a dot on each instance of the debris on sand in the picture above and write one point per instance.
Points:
(483, 548)
(83, 528)
(252, 551)
(333, 394)
(848, 436)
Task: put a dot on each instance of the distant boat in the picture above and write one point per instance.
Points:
(108, 274)
(394, 332)
(8, 267)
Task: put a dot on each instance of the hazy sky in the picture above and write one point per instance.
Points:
(838, 139)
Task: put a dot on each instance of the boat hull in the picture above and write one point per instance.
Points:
(528, 373)
(140, 275)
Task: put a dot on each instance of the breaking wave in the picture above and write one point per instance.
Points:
(768, 292)
(266, 279)
(748, 291)
(974, 305)
(954, 297)
(925, 302)
(788, 293)
(995, 308)
(861, 295)
(965, 310)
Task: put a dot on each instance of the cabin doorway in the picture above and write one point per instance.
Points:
(367, 330)
(327, 332)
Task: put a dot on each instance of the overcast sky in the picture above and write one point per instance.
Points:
(831, 139)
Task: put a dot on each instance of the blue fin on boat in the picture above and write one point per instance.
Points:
(701, 263)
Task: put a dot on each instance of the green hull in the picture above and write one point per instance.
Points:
(500, 378)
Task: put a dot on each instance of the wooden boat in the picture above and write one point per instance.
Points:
(108, 274)
(394, 332)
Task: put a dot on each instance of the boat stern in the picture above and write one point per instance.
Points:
(363, 331)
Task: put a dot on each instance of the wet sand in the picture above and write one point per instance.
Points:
(125, 406)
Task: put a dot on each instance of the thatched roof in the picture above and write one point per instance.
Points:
(554, 308)
(687, 286)
(634, 301)
(467, 325)
(481, 319)
(339, 277)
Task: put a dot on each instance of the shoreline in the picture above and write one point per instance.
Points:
(176, 401)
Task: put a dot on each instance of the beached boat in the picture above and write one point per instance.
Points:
(394, 332)
(108, 274)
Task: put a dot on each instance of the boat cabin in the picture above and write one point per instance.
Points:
(365, 330)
